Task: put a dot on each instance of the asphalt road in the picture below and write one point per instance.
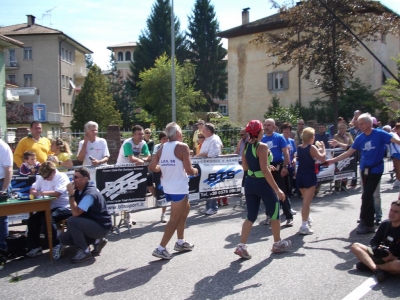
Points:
(319, 266)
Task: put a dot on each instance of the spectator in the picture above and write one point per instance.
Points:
(354, 130)
(51, 183)
(6, 166)
(62, 154)
(30, 165)
(244, 138)
(200, 126)
(331, 129)
(300, 128)
(93, 151)
(148, 140)
(383, 254)
(90, 221)
(286, 129)
(200, 142)
(322, 136)
(357, 113)
(395, 154)
(33, 142)
(135, 149)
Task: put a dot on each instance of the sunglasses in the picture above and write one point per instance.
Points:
(76, 177)
(201, 137)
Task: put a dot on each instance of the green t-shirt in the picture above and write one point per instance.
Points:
(130, 148)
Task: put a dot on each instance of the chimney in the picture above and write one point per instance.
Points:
(31, 20)
(245, 16)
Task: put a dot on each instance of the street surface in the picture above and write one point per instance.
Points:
(318, 266)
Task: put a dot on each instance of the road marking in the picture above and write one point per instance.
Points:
(362, 289)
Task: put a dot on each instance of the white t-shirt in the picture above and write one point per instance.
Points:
(57, 184)
(98, 149)
(6, 158)
(129, 148)
(212, 146)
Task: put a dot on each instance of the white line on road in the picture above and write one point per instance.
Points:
(362, 289)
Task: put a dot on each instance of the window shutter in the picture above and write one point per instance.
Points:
(270, 83)
(285, 80)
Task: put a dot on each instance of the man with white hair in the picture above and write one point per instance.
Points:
(371, 145)
(173, 160)
(93, 151)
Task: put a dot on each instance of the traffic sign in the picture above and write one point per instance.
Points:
(28, 91)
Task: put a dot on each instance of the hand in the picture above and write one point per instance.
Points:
(281, 195)
(272, 168)
(71, 188)
(329, 161)
(86, 138)
(333, 142)
(96, 162)
(284, 172)
(139, 162)
(195, 172)
(35, 193)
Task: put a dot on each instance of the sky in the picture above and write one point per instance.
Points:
(97, 24)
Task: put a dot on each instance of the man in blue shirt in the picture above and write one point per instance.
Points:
(370, 143)
(279, 165)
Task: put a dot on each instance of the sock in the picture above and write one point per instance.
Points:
(180, 241)
(162, 215)
(97, 241)
(304, 224)
(241, 245)
(160, 248)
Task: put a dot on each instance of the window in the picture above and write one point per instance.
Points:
(12, 55)
(62, 53)
(63, 109)
(12, 79)
(128, 55)
(62, 81)
(223, 109)
(28, 80)
(120, 56)
(70, 57)
(28, 53)
(278, 81)
(66, 82)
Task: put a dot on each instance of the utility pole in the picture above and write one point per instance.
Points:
(173, 62)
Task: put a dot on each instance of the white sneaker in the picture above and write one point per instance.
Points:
(280, 246)
(305, 230)
(211, 212)
(204, 210)
(58, 251)
(310, 222)
(267, 221)
(163, 219)
(396, 183)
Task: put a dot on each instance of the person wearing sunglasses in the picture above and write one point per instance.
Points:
(148, 140)
(244, 138)
(200, 126)
(90, 221)
(51, 183)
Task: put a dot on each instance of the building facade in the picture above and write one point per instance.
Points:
(53, 63)
(123, 54)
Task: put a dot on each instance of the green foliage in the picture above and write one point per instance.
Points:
(282, 114)
(95, 103)
(391, 91)
(155, 94)
(156, 40)
(89, 61)
(207, 53)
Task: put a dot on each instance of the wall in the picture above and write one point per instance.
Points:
(3, 123)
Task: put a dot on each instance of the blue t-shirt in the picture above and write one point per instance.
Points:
(276, 142)
(86, 202)
(291, 148)
(372, 149)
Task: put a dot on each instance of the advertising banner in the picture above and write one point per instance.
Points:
(345, 168)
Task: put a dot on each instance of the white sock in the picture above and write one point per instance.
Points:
(162, 215)
(180, 241)
(160, 248)
(304, 224)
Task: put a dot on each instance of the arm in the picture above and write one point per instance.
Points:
(153, 166)
(67, 164)
(347, 154)
(18, 153)
(318, 154)
(7, 177)
(245, 166)
(75, 210)
(33, 191)
(394, 140)
(82, 149)
(237, 151)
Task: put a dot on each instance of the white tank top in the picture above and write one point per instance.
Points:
(173, 176)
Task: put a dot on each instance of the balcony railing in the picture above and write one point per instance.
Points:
(81, 72)
(11, 63)
(53, 117)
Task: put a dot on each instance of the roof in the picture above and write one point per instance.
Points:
(6, 41)
(128, 44)
(36, 29)
(261, 25)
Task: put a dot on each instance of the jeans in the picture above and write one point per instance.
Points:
(370, 182)
(38, 219)
(4, 223)
(212, 204)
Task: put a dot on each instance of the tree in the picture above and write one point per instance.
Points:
(95, 103)
(207, 53)
(155, 92)
(156, 40)
(391, 91)
(89, 61)
(18, 113)
(282, 114)
(327, 54)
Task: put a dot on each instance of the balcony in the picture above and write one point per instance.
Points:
(11, 64)
(54, 117)
(80, 72)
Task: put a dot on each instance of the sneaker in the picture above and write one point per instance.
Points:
(310, 222)
(241, 250)
(362, 267)
(378, 222)
(99, 246)
(35, 252)
(380, 275)
(58, 251)
(365, 229)
(186, 246)
(396, 183)
(267, 221)
(211, 212)
(289, 223)
(163, 219)
(204, 210)
(164, 254)
(282, 245)
(293, 212)
(305, 230)
(81, 256)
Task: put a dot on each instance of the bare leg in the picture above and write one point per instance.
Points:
(246, 228)
(392, 267)
(276, 230)
(396, 164)
(182, 223)
(308, 195)
(178, 211)
(163, 210)
(360, 251)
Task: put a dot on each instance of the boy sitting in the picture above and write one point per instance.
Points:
(30, 166)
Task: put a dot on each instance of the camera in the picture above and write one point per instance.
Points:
(91, 157)
(381, 251)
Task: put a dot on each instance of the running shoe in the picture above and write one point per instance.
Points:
(81, 256)
(305, 230)
(211, 212)
(163, 219)
(310, 222)
(281, 245)
(58, 251)
(186, 246)
(99, 246)
(289, 222)
(164, 254)
(35, 252)
(267, 221)
(241, 250)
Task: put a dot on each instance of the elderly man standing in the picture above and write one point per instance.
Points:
(200, 126)
(279, 166)
(211, 147)
(173, 160)
(371, 145)
(33, 142)
(6, 165)
(90, 221)
(93, 151)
